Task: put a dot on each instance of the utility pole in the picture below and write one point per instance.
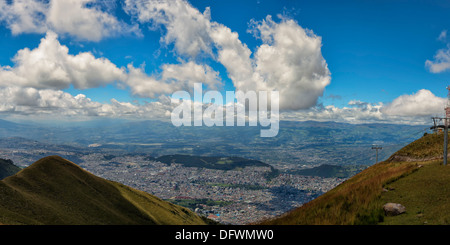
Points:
(376, 147)
(445, 140)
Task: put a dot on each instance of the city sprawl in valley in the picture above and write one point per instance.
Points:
(249, 191)
(238, 196)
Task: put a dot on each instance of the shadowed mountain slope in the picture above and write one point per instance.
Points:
(7, 168)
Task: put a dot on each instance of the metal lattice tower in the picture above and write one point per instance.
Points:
(376, 147)
(446, 123)
(447, 106)
(444, 126)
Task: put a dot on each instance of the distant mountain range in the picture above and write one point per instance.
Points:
(298, 143)
(55, 191)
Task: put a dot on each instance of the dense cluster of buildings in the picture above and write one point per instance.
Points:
(238, 196)
(235, 196)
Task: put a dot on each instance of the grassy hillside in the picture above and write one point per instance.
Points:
(54, 191)
(425, 194)
(414, 177)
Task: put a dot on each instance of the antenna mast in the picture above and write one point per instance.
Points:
(446, 121)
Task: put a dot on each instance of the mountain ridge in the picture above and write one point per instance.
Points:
(344, 143)
(55, 191)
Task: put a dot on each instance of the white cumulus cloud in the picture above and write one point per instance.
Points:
(82, 19)
(173, 77)
(289, 60)
(422, 103)
(184, 25)
(51, 66)
(441, 61)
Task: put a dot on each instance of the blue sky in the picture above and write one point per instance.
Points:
(375, 52)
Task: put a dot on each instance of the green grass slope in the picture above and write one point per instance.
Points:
(425, 194)
(54, 191)
(414, 177)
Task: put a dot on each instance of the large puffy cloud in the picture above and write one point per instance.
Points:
(422, 103)
(83, 19)
(190, 73)
(74, 18)
(289, 60)
(236, 57)
(51, 66)
(24, 16)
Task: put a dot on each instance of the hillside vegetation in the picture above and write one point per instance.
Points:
(55, 191)
(414, 176)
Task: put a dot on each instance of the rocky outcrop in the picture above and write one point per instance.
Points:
(393, 209)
